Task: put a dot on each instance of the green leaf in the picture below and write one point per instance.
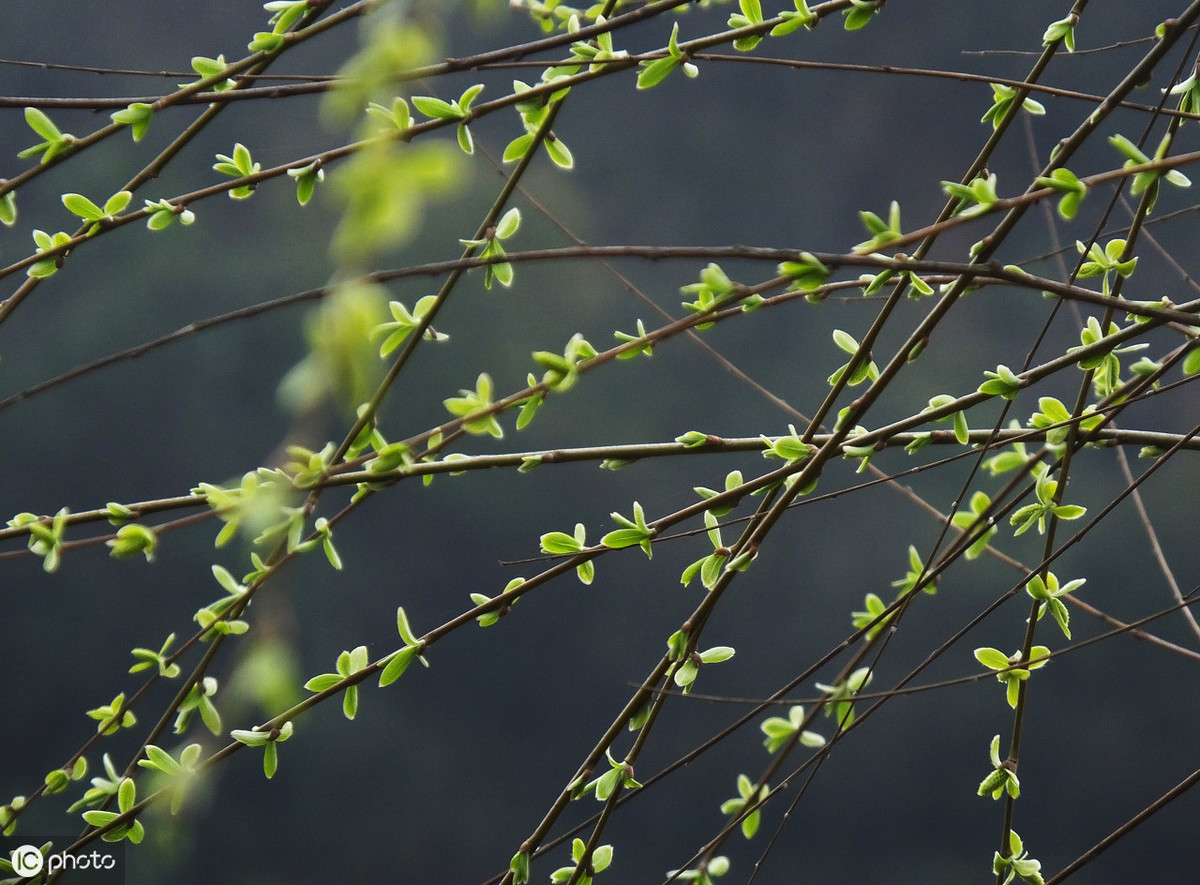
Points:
(350, 702)
(1061, 615)
(239, 165)
(56, 781)
(962, 433)
(405, 629)
(689, 573)
(790, 448)
(1064, 30)
(307, 179)
(711, 569)
(1069, 511)
(992, 658)
(100, 818)
(42, 125)
(559, 543)
(807, 274)
(623, 538)
(397, 117)
(83, 207)
(529, 408)
(55, 142)
(251, 738)
(717, 654)
(160, 760)
(685, 674)
(677, 645)
(320, 683)
(1072, 189)
(211, 67)
(1191, 362)
(436, 108)
(397, 665)
(520, 868)
(473, 406)
(268, 43)
(116, 204)
(163, 213)
(558, 152)
(518, 147)
(654, 72)
(469, 95)
(285, 13)
(635, 531)
(742, 561)
(501, 273)
(1003, 99)
(508, 224)
(859, 14)
(607, 784)
(845, 341)
(803, 17)
(1012, 692)
(133, 539)
(752, 9)
(602, 858)
(8, 209)
(883, 232)
(465, 141)
(110, 720)
(137, 116)
(1004, 382)
(751, 14)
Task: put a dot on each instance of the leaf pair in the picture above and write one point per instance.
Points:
(654, 72)
(633, 531)
(456, 109)
(562, 544)
(130, 829)
(533, 116)
(1012, 670)
(492, 245)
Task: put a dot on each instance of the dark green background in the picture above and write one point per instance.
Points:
(442, 775)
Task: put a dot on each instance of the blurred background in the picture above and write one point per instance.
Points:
(441, 776)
